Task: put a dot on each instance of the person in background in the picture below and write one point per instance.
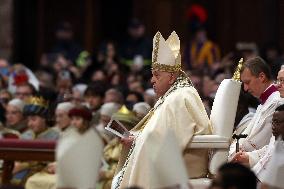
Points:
(78, 94)
(200, 53)
(36, 110)
(136, 50)
(257, 80)
(234, 175)
(15, 118)
(258, 160)
(24, 91)
(113, 95)
(113, 148)
(45, 179)
(61, 115)
(106, 112)
(280, 82)
(65, 42)
(94, 98)
(5, 97)
(273, 175)
(150, 96)
(81, 118)
(141, 109)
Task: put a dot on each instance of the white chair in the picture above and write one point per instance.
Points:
(222, 119)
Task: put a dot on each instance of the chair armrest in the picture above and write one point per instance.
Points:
(27, 144)
(209, 141)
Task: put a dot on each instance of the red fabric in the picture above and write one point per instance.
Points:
(10, 135)
(264, 96)
(20, 79)
(197, 11)
(20, 143)
(83, 112)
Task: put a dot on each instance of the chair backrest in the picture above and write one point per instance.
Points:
(222, 118)
(224, 108)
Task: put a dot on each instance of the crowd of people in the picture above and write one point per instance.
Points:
(72, 88)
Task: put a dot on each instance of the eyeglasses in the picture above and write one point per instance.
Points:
(279, 81)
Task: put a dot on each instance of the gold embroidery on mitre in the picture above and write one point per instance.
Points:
(163, 67)
(237, 73)
(166, 68)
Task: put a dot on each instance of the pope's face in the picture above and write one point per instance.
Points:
(161, 81)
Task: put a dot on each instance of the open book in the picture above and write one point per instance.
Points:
(117, 128)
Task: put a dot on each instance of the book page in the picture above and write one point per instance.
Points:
(116, 127)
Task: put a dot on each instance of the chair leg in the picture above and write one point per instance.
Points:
(8, 166)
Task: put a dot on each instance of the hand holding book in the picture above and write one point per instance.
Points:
(117, 128)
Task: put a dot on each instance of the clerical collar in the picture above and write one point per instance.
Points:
(264, 96)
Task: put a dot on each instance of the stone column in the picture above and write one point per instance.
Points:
(6, 32)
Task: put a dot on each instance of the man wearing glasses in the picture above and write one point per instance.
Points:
(280, 82)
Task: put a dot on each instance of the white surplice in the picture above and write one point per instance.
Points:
(259, 130)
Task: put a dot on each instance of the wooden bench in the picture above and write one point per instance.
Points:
(12, 150)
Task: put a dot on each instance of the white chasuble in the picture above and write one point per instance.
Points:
(154, 163)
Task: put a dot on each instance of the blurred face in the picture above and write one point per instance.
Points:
(201, 36)
(77, 97)
(161, 82)
(280, 82)
(4, 99)
(62, 119)
(110, 50)
(23, 92)
(105, 119)
(136, 86)
(253, 84)
(77, 122)
(278, 124)
(13, 115)
(36, 123)
(94, 102)
(98, 76)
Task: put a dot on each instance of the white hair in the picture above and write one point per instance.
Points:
(18, 103)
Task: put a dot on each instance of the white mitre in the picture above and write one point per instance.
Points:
(166, 53)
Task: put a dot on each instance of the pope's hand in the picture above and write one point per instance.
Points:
(127, 141)
(241, 157)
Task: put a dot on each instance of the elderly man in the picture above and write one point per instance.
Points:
(256, 78)
(178, 111)
(14, 115)
(280, 82)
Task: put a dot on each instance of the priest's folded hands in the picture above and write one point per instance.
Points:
(241, 157)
